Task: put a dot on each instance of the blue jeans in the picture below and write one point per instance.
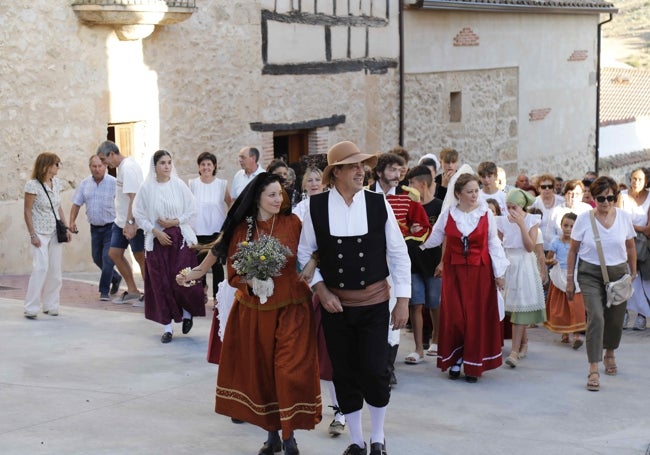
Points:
(101, 242)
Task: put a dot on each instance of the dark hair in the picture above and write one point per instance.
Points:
(420, 172)
(429, 162)
(569, 215)
(245, 206)
(645, 174)
(275, 165)
(252, 151)
(207, 156)
(602, 184)
(495, 203)
(531, 189)
(534, 211)
(401, 151)
(486, 168)
(159, 154)
(106, 147)
(42, 163)
(386, 159)
(463, 180)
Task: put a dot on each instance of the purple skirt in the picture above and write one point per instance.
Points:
(165, 299)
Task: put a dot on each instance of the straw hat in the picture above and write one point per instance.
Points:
(345, 152)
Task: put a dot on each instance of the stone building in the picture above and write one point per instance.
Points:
(513, 82)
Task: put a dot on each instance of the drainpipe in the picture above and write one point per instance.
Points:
(596, 159)
(401, 73)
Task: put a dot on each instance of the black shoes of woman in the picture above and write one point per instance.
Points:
(166, 337)
(187, 325)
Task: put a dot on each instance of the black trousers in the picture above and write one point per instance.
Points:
(358, 347)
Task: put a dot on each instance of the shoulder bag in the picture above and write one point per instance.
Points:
(61, 229)
(618, 291)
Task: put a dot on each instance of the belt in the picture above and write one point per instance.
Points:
(96, 226)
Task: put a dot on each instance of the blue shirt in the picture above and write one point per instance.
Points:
(99, 199)
(561, 250)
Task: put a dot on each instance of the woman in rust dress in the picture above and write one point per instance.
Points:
(268, 371)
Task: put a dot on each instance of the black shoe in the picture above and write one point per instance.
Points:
(271, 446)
(354, 449)
(166, 337)
(187, 325)
(290, 447)
(233, 420)
(471, 379)
(377, 448)
(454, 372)
(115, 286)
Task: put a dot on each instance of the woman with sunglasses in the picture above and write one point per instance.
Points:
(546, 202)
(616, 232)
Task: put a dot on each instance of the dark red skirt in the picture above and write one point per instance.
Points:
(165, 299)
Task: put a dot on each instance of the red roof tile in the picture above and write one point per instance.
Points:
(624, 95)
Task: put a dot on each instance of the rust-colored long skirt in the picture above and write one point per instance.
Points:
(268, 371)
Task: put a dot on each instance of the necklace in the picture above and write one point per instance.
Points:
(270, 232)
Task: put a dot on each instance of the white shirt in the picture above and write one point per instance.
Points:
(612, 239)
(467, 223)
(211, 206)
(346, 221)
(639, 213)
(499, 196)
(42, 217)
(559, 211)
(546, 225)
(512, 233)
(240, 180)
(129, 179)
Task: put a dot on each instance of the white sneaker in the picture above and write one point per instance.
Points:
(139, 303)
(640, 322)
(126, 297)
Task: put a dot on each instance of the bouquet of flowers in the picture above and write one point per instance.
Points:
(260, 260)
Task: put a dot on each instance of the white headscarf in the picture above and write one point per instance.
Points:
(432, 157)
(450, 197)
(171, 199)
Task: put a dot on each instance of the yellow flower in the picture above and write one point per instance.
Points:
(262, 258)
(244, 243)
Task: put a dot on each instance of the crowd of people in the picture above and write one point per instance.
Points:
(317, 279)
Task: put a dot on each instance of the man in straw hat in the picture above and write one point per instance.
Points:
(358, 243)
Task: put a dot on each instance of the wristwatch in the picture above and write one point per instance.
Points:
(131, 221)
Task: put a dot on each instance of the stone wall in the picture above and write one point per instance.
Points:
(489, 115)
(190, 87)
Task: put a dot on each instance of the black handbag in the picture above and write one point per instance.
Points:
(61, 229)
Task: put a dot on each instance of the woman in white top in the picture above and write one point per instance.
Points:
(523, 296)
(163, 209)
(546, 202)
(212, 201)
(636, 202)
(604, 325)
(45, 282)
(312, 183)
(572, 191)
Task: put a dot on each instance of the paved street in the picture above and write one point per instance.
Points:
(97, 380)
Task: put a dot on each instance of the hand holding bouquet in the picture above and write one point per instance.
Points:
(260, 260)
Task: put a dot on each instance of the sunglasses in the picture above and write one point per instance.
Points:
(609, 198)
(547, 187)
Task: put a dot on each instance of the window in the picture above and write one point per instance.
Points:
(455, 107)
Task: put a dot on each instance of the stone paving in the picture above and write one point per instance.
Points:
(97, 380)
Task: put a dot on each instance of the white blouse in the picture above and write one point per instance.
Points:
(211, 206)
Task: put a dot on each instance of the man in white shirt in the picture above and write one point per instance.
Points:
(358, 243)
(124, 231)
(248, 160)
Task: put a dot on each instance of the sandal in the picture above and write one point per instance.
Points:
(523, 348)
(593, 381)
(610, 367)
(565, 338)
(577, 342)
(433, 350)
(512, 359)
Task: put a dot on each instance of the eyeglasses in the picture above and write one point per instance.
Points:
(609, 198)
(547, 187)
